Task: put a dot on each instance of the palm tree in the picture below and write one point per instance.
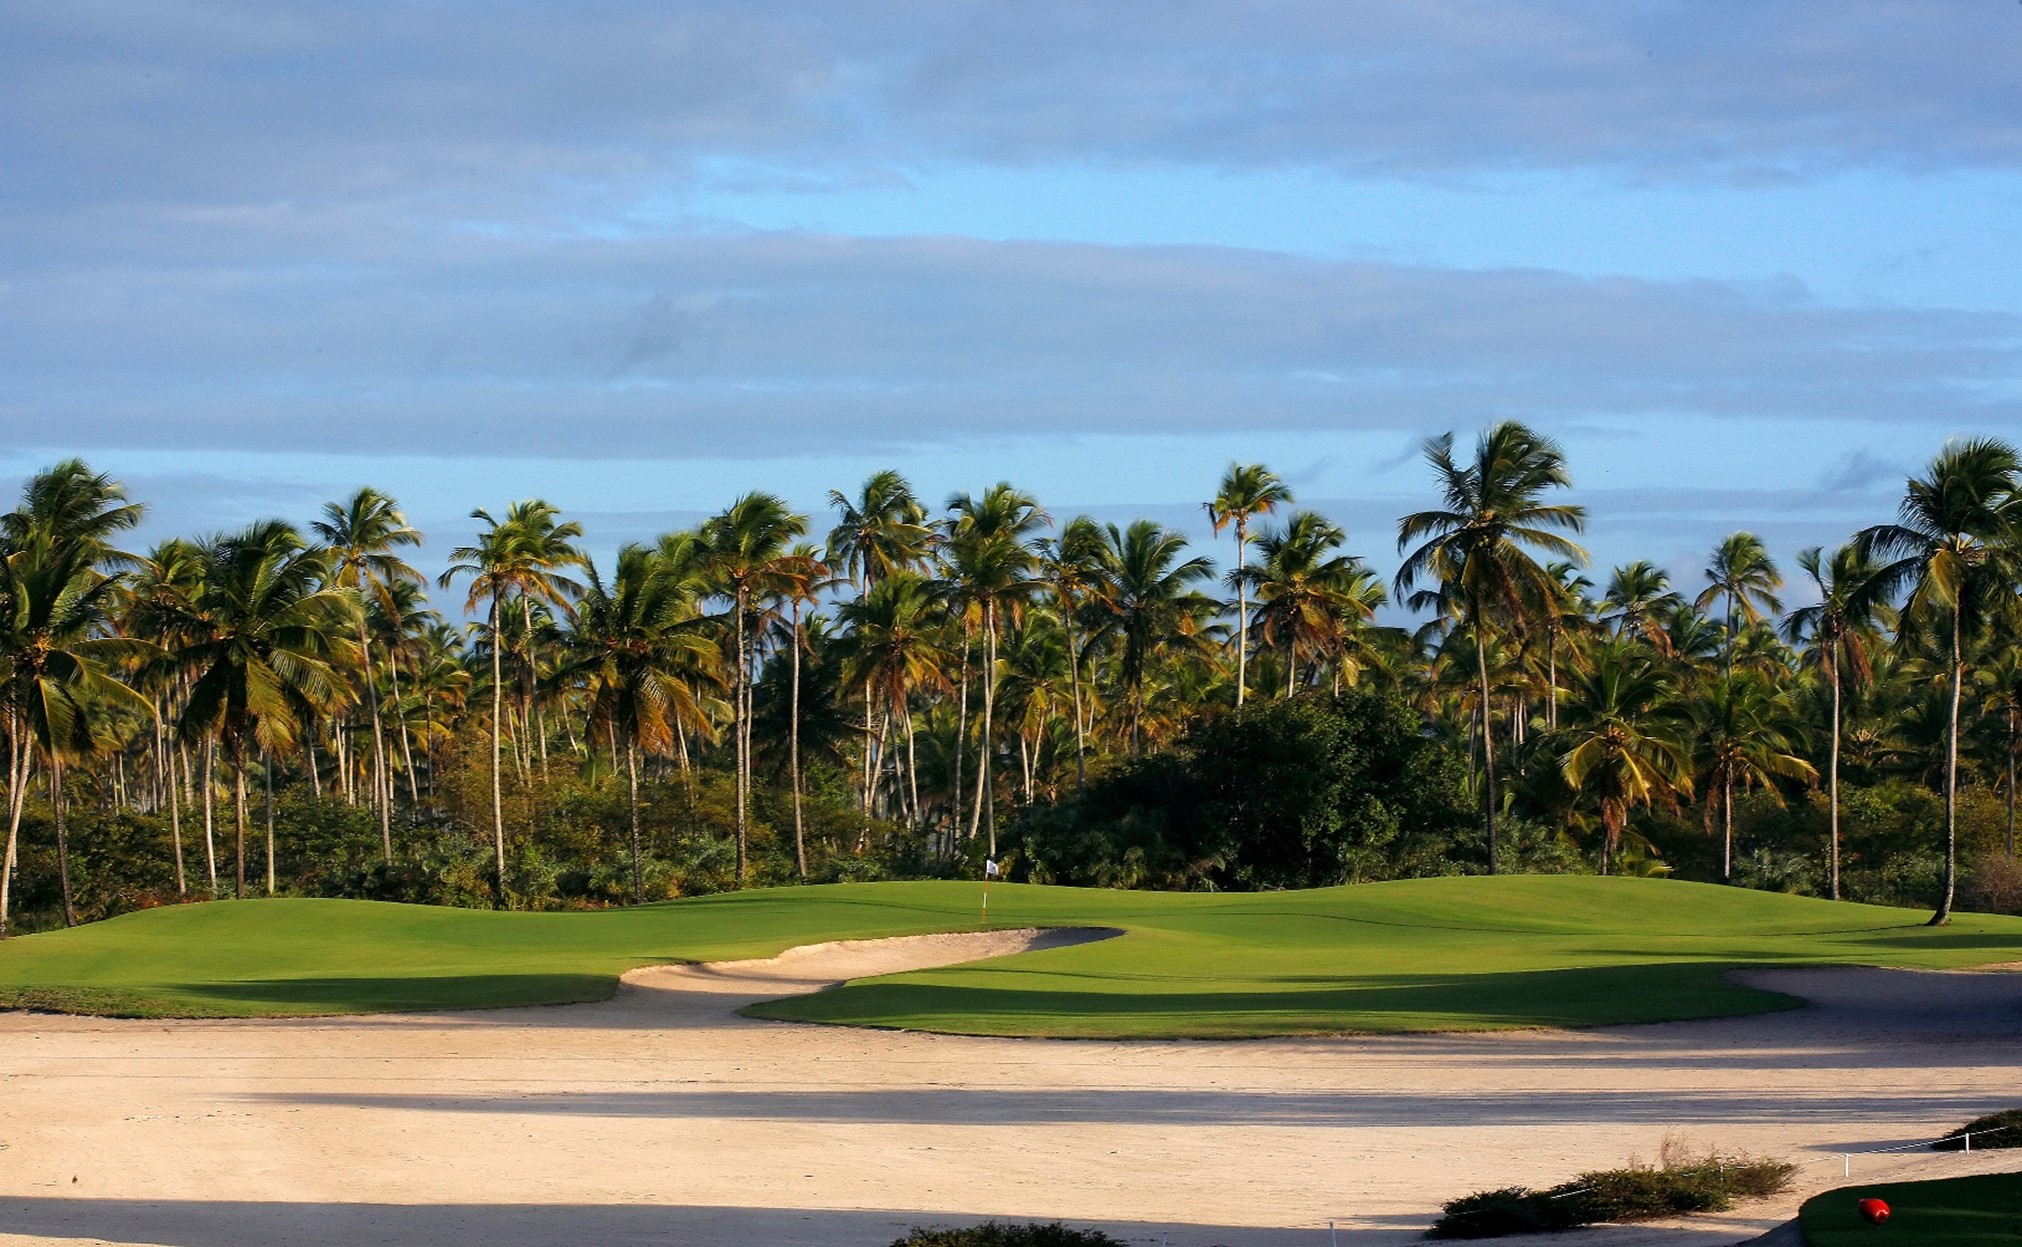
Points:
(1952, 554)
(1474, 551)
(160, 593)
(267, 653)
(1567, 610)
(1742, 572)
(1838, 627)
(745, 545)
(1308, 592)
(57, 663)
(1148, 605)
(2003, 677)
(799, 580)
(1639, 602)
(1247, 491)
(1625, 743)
(361, 535)
(523, 557)
(882, 532)
(636, 648)
(1071, 567)
(990, 572)
(891, 649)
(1749, 738)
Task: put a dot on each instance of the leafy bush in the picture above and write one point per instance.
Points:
(2002, 1129)
(1709, 1183)
(993, 1234)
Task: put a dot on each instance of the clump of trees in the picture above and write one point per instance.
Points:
(754, 700)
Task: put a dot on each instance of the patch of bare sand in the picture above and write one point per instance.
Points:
(664, 1117)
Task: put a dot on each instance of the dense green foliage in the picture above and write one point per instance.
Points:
(1703, 1184)
(1426, 954)
(1995, 1130)
(1982, 1211)
(996, 1234)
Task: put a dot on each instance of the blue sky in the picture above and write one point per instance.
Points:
(1750, 262)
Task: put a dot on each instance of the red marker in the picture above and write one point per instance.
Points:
(1873, 1211)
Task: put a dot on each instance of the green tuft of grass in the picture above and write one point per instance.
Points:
(1982, 1211)
(1418, 955)
(994, 1234)
(1995, 1130)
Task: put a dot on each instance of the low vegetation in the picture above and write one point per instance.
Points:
(1982, 1211)
(1677, 1186)
(993, 1234)
(1996, 1130)
(1467, 953)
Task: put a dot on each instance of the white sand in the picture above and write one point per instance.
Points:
(662, 1117)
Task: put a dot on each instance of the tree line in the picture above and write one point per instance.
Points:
(740, 702)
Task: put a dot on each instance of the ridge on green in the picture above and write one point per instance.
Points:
(1414, 955)
(1979, 1211)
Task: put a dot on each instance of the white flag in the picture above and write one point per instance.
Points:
(990, 869)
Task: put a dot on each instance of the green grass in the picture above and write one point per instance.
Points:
(1954, 1212)
(1434, 954)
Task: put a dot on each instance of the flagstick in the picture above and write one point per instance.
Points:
(986, 900)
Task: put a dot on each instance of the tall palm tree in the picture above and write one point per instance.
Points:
(1071, 567)
(1307, 590)
(1742, 572)
(990, 571)
(1148, 604)
(799, 580)
(1748, 737)
(58, 665)
(636, 647)
(1475, 551)
(1838, 627)
(1639, 602)
(892, 648)
(1567, 610)
(267, 654)
(361, 534)
(745, 545)
(524, 558)
(1625, 742)
(1953, 555)
(881, 532)
(1248, 490)
(160, 593)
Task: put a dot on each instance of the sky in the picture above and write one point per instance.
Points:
(1751, 263)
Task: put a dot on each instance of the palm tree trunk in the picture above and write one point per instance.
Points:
(1243, 612)
(406, 749)
(175, 806)
(983, 761)
(2011, 780)
(239, 821)
(1074, 673)
(743, 748)
(497, 718)
(1552, 676)
(267, 771)
(210, 838)
(381, 790)
(1727, 829)
(632, 780)
(1944, 914)
(62, 836)
(961, 722)
(1487, 741)
(793, 753)
(17, 791)
(1832, 779)
(913, 768)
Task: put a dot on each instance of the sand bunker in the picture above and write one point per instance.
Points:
(663, 1116)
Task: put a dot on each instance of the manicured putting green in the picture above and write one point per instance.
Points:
(1432, 954)
(1952, 1212)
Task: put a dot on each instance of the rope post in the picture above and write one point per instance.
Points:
(1846, 1164)
(1333, 1236)
(1969, 1140)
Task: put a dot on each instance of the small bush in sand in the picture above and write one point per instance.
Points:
(1709, 1183)
(2003, 1129)
(993, 1234)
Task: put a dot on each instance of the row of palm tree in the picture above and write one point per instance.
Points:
(987, 653)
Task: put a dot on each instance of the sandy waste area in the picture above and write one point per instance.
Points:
(663, 1117)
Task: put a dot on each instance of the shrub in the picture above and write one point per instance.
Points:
(1710, 1183)
(993, 1234)
(2002, 1129)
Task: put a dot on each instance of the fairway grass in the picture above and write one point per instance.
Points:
(1978, 1211)
(1416, 955)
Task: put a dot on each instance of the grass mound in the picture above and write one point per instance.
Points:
(2002, 1129)
(992, 1234)
(1983, 1211)
(1417, 955)
(1708, 1184)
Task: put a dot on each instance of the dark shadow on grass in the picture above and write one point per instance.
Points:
(398, 994)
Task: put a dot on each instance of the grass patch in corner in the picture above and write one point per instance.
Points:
(1709, 1183)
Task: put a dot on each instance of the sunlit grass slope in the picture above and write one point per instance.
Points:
(1952, 1212)
(1417, 955)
